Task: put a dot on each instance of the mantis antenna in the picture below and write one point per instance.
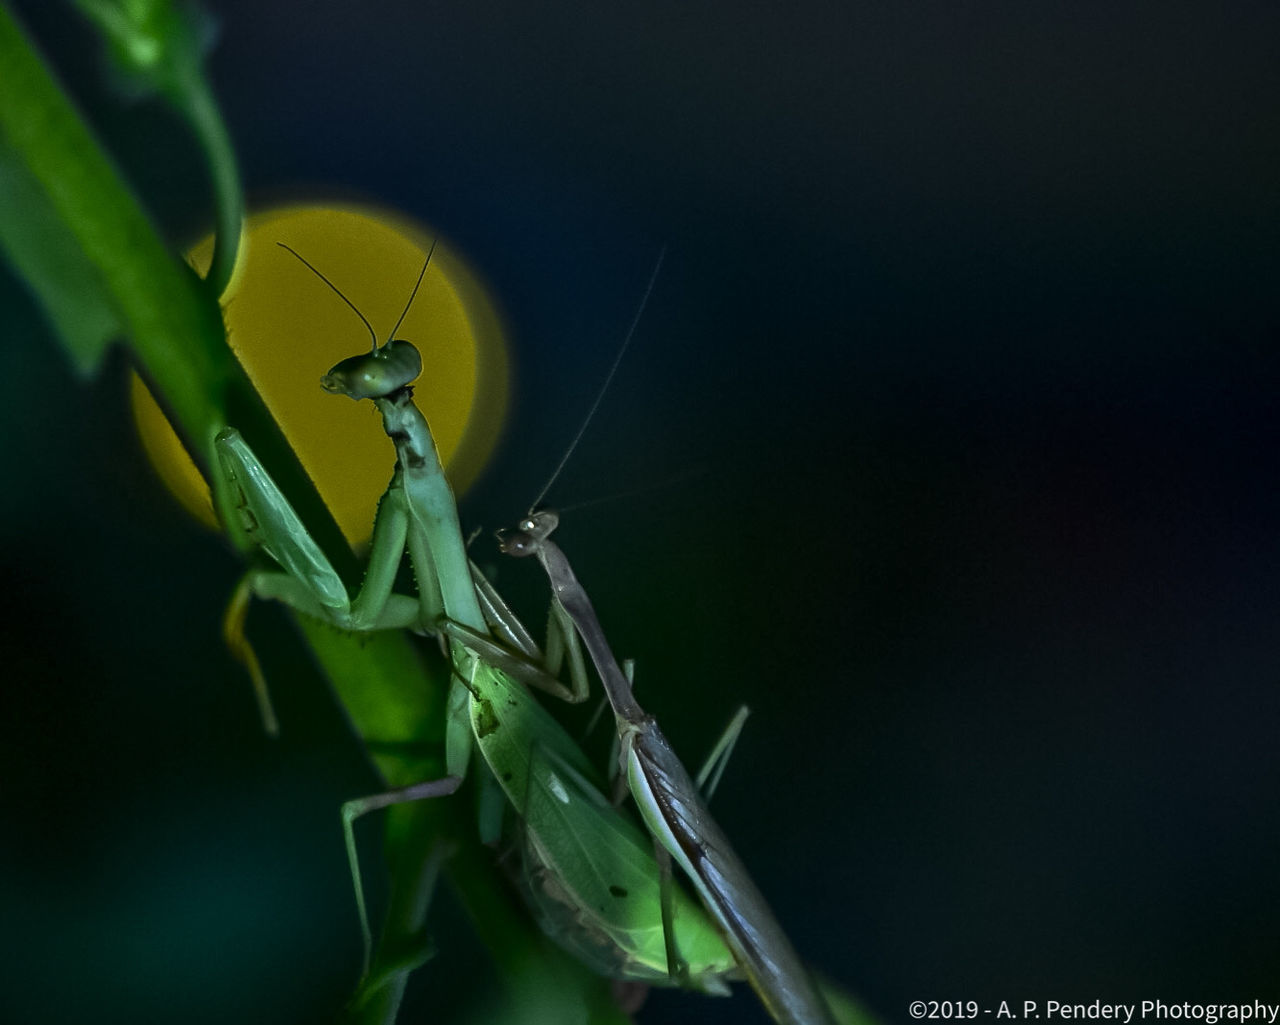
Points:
(373, 335)
(608, 379)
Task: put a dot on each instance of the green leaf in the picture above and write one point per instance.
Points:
(47, 257)
(174, 325)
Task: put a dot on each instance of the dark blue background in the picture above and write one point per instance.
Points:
(969, 328)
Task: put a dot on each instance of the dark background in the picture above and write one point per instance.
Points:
(969, 330)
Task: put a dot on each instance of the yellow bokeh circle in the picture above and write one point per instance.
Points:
(287, 328)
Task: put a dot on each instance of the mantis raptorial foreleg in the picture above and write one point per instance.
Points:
(310, 584)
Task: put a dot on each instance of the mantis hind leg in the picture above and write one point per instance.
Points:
(399, 952)
(354, 809)
(713, 768)
(677, 966)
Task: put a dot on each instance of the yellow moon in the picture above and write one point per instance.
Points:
(287, 328)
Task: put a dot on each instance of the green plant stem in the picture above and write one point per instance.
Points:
(210, 129)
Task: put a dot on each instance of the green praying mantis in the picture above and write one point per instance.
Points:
(592, 878)
(592, 867)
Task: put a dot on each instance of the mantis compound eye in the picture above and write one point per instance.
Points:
(539, 525)
(524, 538)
